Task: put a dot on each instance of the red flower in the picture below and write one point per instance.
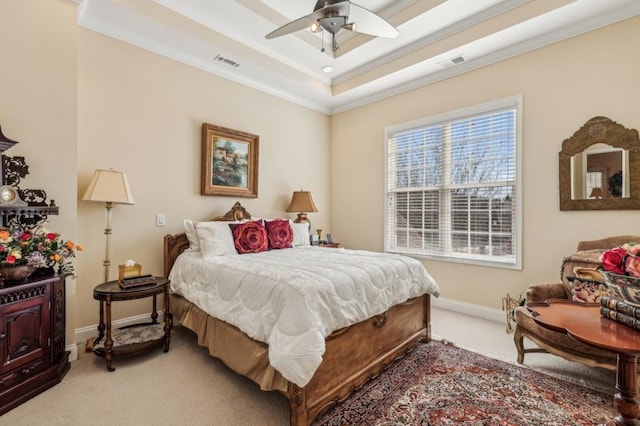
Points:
(51, 236)
(25, 237)
(614, 260)
(11, 259)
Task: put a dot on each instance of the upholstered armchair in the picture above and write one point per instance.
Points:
(560, 344)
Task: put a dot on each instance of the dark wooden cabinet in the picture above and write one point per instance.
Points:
(32, 339)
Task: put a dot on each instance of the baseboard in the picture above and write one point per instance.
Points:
(73, 352)
(81, 335)
(491, 314)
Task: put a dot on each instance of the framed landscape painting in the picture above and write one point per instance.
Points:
(229, 162)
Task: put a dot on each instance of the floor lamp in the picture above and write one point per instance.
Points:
(109, 187)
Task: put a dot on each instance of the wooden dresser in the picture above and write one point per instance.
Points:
(32, 339)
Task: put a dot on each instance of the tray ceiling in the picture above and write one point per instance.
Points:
(438, 39)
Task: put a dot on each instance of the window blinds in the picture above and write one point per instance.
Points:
(451, 187)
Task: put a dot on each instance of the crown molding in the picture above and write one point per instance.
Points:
(529, 45)
(430, 39)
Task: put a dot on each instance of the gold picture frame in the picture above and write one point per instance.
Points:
(229, 162)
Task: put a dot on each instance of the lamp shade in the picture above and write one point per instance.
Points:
(109, 186)
(302, 202)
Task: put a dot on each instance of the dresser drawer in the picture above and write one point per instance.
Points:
(21, 374)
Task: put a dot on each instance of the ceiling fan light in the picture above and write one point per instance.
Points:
(315, 27)
(351, 26)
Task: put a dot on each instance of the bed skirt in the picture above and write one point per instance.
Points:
(227, 343)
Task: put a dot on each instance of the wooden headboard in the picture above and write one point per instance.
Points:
(177, 243)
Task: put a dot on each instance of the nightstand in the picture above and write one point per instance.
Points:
(135, 338)
(330, 245)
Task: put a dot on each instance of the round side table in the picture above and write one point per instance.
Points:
(136, 338)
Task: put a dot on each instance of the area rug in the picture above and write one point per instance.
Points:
(437, 384)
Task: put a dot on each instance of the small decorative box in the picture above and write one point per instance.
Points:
(126, 271)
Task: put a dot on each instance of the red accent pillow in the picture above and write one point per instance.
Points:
(280, 234)
(249, 237)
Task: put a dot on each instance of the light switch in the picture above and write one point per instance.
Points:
(160, 219)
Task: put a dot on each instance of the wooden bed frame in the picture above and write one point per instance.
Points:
(353, 354)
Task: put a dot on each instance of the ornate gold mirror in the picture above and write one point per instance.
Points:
(600, 167)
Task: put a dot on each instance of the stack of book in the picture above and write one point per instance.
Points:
(136, 281)
(620, 311)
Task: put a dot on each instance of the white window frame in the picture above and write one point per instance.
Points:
(514, 262)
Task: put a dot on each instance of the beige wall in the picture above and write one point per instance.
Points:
(563, 86)
(77, 101)
(142, 113)
(38, 105)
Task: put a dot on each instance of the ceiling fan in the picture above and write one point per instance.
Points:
(335, 15)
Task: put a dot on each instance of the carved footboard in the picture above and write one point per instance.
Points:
(357, 353)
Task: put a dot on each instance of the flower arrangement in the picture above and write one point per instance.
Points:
(623, 260)
(37, 247)
(620, 268)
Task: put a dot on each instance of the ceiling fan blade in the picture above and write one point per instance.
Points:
(367, 22)
(293, 26)
(323, 3)
(349, 27)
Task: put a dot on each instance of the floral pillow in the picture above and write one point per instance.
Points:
(589, 291)
(587, 286)
(279, 234)
(249, 237)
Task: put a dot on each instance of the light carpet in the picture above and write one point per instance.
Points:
(187, 386)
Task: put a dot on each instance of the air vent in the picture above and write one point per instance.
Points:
(456, 60)
(226, 61)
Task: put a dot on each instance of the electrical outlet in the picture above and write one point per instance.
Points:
(161, 220)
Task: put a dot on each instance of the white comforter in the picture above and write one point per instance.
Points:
(292, 299)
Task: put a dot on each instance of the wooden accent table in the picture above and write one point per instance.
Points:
(584, 323)
(330, 245)
(112, 292)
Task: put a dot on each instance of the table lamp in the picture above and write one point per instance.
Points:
(302, 202)
(596, 193)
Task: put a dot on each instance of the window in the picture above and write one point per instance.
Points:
(453, 186)
(595, 182)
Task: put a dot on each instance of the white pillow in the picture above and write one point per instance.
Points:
(215, 239)
(300, 234)
(192, 235)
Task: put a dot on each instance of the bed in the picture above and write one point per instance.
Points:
(350, 354)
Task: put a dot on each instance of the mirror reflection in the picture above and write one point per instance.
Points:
(599, 167)
(600, 172)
